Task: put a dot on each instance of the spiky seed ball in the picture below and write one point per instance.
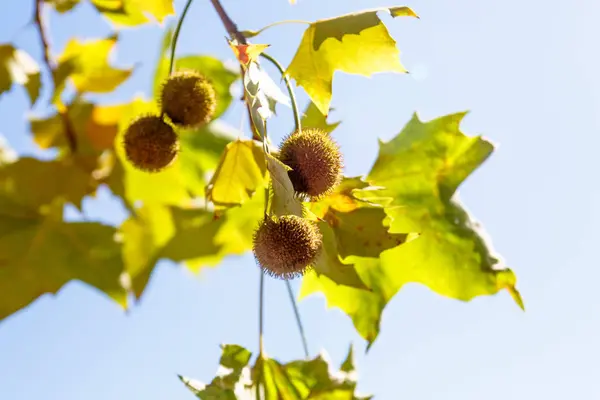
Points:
(285, 246)
(188, 99)
(150, 143)
(315, 159)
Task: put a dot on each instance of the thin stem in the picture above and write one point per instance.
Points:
(176, 35)
(298, 320)
(62, 110)
(261, 296)
(287, 21)
(290, 89)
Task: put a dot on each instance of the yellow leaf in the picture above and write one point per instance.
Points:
(95, 127)
(86, 63)
(134, 12)
(240, 172)
(245, 53)
(357, 43)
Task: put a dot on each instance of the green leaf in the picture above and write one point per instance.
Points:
(240, 172)
(306, 379)
(328, 261)
(313, 118)
(340, 44)
(16, 66)
(87, 65)
(62, 6)
(419, 170)
(283, 201)
(229, 385)
(144, 235)
(221, 76)
(192, 235)
(202, 149)
(39, 253)
(235, 233)
(36, 184)
(134, 12)
(362, 232)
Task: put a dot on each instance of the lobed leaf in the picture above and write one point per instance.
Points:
(313, 118)
(357, 43)
(86, 65)
(39, 253)
(418, 173)
(302, 379)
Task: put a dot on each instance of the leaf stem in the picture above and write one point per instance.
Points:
(298, 319)
(290, 89)
(62, 109)
(250, 33)
(176, 35)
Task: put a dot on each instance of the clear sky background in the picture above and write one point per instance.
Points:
(527, 70)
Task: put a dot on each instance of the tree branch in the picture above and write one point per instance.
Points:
(228, 23)
(62, 110)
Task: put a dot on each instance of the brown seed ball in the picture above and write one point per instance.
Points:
(150, 143)
(285, 247)
(188, 99)
(315, 159)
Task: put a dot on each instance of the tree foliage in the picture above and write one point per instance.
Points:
(399, 223)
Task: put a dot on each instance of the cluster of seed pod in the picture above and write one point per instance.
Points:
(187, 100)
(286, 246)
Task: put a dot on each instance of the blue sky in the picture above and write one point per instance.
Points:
(528, 71)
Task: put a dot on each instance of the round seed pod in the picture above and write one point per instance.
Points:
(188, 99)
(286, 246)
(316, 162)
(150, 143)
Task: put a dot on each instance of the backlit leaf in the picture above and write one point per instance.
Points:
(328, 261)
(357, 43)
(39, 253)
(87, 65)
(16, 66)
(419, 170)
(35, 183)
(307, 379)
(134, 12)
(313, 118)
(95, 127)
(229, 384)
(362, 232)
(240, 172)
(264, 94)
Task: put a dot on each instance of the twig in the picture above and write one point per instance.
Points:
(229, 25)
(62, 110)
(298, 320)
